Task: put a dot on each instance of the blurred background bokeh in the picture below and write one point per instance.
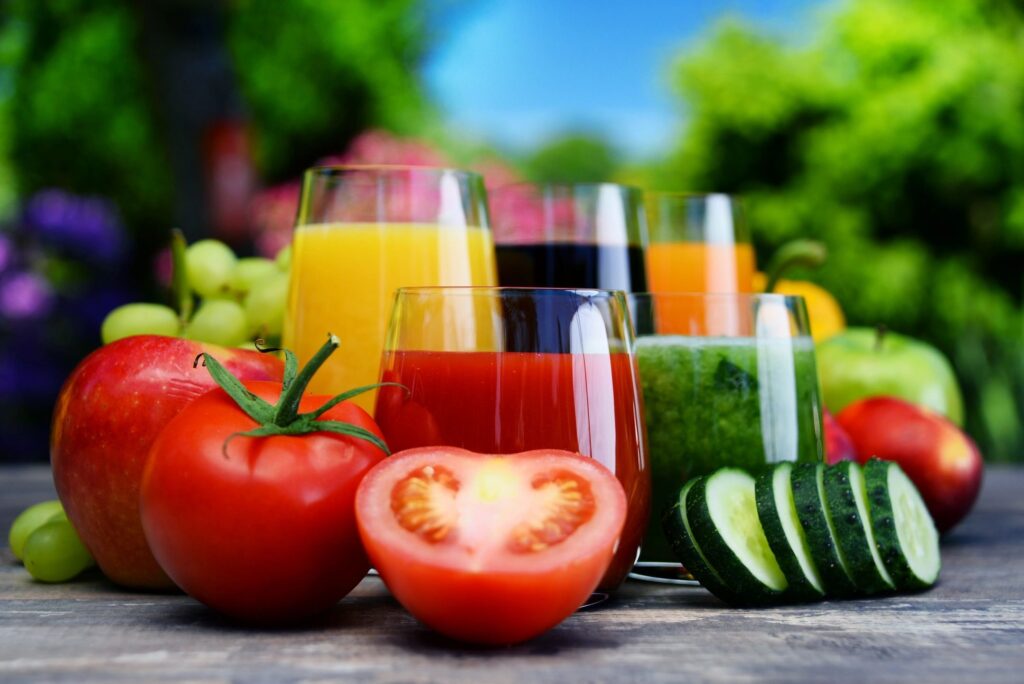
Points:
(891, 130)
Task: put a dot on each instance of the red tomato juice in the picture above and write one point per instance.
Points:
(507, 402)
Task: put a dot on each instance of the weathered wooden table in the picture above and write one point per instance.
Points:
(970, 628)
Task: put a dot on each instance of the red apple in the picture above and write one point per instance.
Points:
(108, 413)
(838, 445)
(942, 461)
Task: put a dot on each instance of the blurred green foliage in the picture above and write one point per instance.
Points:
(896, 136)
(77, 108)
(316, 73)
(571, 158)
(75, 103)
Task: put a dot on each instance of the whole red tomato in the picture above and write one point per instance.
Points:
(943, 462)
(262, 529)
(108, 413)
(838, 445)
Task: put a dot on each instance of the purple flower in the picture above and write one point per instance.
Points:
(25, 296)
(88, 227)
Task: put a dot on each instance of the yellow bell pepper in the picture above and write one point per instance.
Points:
(825, 314)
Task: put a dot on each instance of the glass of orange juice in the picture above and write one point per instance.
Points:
(360, 234)
(697, 243)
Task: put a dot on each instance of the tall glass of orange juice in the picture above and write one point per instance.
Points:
(698, 243)
(360, 234)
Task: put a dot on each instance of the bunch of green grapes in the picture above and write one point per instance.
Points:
(42, 537)
(239, 300)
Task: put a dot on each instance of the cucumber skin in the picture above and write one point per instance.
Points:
(729, 568)
(810, 509)
(687, 553)
(800, 589)
(852, 541)
(876, 476)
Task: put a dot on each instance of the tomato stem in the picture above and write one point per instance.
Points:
(291, 395)
(880, 330)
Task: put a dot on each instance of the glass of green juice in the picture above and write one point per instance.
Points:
(733, 383)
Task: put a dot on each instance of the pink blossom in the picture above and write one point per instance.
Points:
(273, 214)
(273, 210)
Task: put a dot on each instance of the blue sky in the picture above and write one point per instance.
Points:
(514, 72)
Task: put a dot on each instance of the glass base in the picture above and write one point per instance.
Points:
(663, 573)
(596, 599)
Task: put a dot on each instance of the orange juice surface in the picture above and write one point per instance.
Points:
(344, 278)
(696, 267)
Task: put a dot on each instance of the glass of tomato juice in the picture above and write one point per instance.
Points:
(360, 234)
(505, 370)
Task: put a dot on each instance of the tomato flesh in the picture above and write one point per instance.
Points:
(490, 549)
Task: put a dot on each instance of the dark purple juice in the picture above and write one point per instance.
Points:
(564, 264)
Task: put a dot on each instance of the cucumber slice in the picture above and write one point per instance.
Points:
(680, 538)
(847, 508)
(809, 497)
(777, 513)
(722, 512)
(904, 531)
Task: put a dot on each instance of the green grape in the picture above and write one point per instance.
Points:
(250, 272)
(264, 306)
(208, 265)
(59, 515)
(139, 319)
(28, 521)
(284, 258)
(218, 321)
(55, 553)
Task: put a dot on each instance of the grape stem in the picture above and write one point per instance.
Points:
(180, 290)
(284, 417)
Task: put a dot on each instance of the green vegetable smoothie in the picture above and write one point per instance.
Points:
(724, 401)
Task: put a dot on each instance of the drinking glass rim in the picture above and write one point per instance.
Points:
(587, 185)
(691, 195)
(501, 290)
(333, 169)
(719, 296)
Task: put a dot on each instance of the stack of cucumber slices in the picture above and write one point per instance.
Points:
(805, 532)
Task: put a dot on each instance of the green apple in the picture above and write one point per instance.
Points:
(857, 363)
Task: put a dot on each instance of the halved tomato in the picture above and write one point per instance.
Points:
(490, 549)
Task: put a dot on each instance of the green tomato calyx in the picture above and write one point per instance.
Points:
(284, 417)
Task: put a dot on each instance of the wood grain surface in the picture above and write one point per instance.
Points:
(970, 628)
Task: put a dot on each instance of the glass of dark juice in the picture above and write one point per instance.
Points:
(584, 235)
(733, 383)
(506, 370)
